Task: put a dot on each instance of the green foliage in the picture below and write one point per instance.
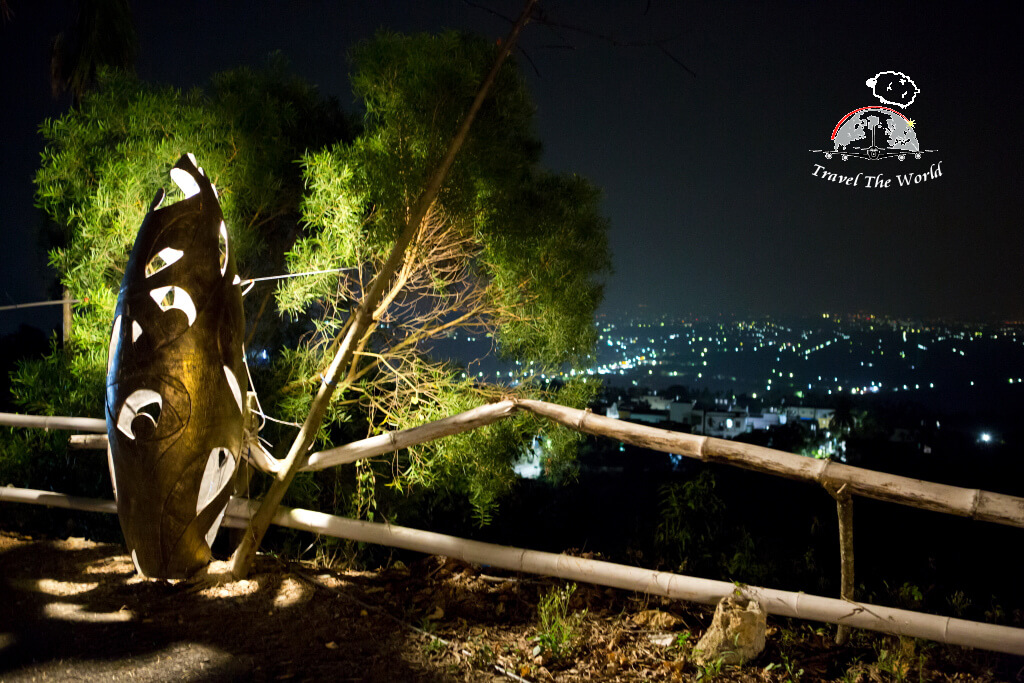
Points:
(558, 630)
(790, 670)
(105, 161)
(906, 596)
(682, 640)
(545, 241)
(959, 603)
(711, 670)
(688, 527)
(103, 164)
(433, 646)
(537, 239)
(508, 249)
(472, 469)
(415, 91)
(897, 657)
(31, 458)
(694, 534)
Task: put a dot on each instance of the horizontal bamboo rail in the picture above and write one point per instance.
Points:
(393, 441)
(85, 424)
(11, 494)
(976, 504)
(373, 446)
(677, 586)
(693, 589)
(88, 441)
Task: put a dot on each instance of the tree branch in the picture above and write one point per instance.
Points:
(546, 20)
(362, 318)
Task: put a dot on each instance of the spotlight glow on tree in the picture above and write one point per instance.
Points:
(504, 248)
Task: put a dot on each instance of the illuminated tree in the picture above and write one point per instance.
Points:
(505, 248)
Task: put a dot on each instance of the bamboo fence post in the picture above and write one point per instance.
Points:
(66, 317)
(844, 511)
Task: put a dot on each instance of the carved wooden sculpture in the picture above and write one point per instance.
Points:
(176, 381)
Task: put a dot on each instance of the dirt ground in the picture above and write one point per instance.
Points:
(73, 610)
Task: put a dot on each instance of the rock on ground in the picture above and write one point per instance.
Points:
(737, 632)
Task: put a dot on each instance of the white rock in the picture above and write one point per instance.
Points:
(736, 633)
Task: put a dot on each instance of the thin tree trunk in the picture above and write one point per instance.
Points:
(244, 555)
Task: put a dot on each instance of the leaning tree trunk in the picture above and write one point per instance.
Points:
(362, 319)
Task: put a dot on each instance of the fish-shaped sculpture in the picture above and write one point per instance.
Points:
(175, 381)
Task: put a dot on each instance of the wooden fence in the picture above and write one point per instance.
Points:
(841, 481)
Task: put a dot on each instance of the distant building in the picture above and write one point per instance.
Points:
(657, 403)
(637, 412)
(528, 465)
(767, 420)
(685, 413)
(721, 423)
(649, 417)
(724, 424)
(820, 418)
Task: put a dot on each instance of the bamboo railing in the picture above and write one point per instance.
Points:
(846, 613)
(84, 424)
(841, 481)
(976, 504)
(393, 441)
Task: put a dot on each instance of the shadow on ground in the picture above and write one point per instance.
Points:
(75, 610)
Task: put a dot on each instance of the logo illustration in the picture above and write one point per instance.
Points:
(893, 87)
(879, 132)
(874, 133)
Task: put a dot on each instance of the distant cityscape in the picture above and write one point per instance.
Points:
(748, 379)
(726, 377)
(829, 355)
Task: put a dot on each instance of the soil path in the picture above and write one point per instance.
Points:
(75, 610)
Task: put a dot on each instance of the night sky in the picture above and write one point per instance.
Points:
(707, 180)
